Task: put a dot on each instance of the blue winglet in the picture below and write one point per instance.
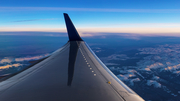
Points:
(72, 32)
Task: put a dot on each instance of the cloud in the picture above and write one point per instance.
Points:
(6, 60)
(155, 78)
(9, 66)
(175, 67)
(164, 58)
(11, 60)
(177, 72)
(154, 83)
(154, 66)
(152, 51)
(118, 57)
(51, 34)
(128, 78)
(87, 9)
(134, 80)
(34, 20)
(31, 58)
(111, 64)
(127, 75)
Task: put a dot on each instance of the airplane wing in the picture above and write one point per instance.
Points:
(72, 73)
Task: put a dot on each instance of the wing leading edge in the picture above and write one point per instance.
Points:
(72, 73)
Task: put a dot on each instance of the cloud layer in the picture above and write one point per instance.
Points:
(10, 65)
(16, 62)
(31, 58)
(159, 69)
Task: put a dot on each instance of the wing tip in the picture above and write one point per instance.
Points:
(65, 14)
(72, 32)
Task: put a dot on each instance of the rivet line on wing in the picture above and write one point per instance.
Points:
(87, 62)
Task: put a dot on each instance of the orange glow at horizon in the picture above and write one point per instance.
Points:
(150, 30)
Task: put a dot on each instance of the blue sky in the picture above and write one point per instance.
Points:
(92, 16)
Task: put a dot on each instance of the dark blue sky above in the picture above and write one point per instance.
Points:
(130, 4)
(120, 16)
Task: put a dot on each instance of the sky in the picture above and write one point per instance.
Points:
(92, 17)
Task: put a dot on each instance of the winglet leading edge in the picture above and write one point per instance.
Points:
(72, 32)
